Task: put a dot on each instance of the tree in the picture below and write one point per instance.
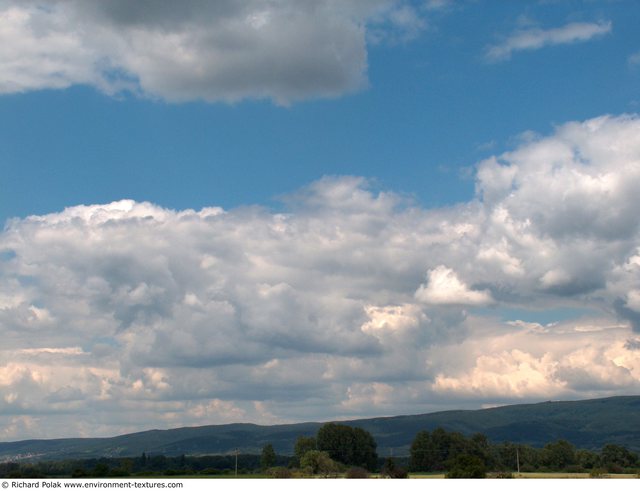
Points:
(337, 441)
(431, 451)
(268, 457)
(615, 457)
(480, 447)
(350, 446)
(319, 462)
(507, 455)
(302, 446)
(364, 449)
(421, 452)
(100, 470)
(587, 460)
(465, 466)
(559, 455)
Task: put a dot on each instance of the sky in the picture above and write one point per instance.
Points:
(277, 211)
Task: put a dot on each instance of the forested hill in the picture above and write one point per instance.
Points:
(587, 424)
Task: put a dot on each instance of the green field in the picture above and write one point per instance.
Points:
(538, 475)
(567, 475)
(417, 475)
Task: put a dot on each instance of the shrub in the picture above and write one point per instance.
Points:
(357, 473)
(172, 472)
(319, 462)
(502, 475)
(100, 470)
(596, 473)
(615, 469)
(393, 471)
(279, 473)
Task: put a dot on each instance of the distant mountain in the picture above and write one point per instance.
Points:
(587, 424)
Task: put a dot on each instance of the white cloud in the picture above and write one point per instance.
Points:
(536, 38)
(127, 315)
(444, 288)
(393, 318)
(39, 55)
(281, 50)
(633, 300)
(398, 23)
(562, 362)
(634, 59)
(512, 372)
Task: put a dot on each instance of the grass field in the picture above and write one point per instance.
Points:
(567, 475)
(522, 475)
(538, 475)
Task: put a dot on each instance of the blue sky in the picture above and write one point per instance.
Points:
(354, 208)
(434, 106)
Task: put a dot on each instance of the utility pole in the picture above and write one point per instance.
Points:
(518, 459)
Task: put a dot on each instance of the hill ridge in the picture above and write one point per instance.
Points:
(587, 424)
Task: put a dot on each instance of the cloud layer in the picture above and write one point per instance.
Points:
(215, 51)
(354, 302)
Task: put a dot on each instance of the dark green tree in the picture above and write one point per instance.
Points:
(268, 456)
(507, 455)
(337, 441)
(479, 446)
(559, 455)
(100, 470)
(446, 446)
(302, 446)
(364, 449)
(616, 457)
(432, 451)
(350, 446)
(587, 460)
(422, 452)
(465, 466)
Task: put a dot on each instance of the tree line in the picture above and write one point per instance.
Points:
(338, 449)
(441, 450)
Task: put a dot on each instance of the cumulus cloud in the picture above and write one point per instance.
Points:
(444, 288)
(281, 50)
(127, 315)
(536, 38)
(565, 361)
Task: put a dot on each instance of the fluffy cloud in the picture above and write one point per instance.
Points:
(127, 315)
(568, 360)
(216, 51)
(444, 288)
(536, 38)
